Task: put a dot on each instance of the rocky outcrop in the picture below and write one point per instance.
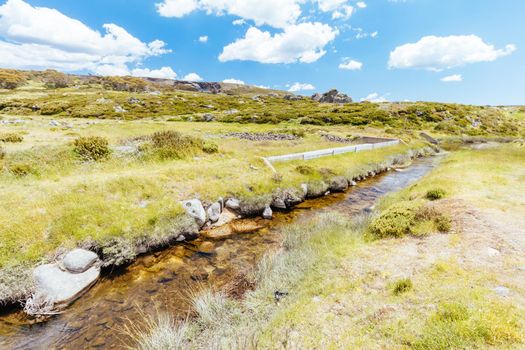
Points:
(212, 88)
(332, 96)
(287, 198)
(61, 283)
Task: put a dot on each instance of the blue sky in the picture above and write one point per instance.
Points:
(397, 50)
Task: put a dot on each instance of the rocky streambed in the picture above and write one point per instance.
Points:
(165, 279)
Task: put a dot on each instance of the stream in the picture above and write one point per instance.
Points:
(163, 281)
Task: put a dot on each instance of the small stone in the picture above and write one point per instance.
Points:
(501, 291)
(79, 260)
(353, 183)
(278, 203)
(206, 247)
(233, 204)
(214, 212)
(304, 187)
(267, 213)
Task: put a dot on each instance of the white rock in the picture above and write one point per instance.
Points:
(79, 260)
(233, 204)
(267, 213)
(502, 291)
(57, 289)
(353, 183)
(304, 187)
(214, 212)
(195, 209)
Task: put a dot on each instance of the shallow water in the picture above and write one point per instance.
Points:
(164, 280)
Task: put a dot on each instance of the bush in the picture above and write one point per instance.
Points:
(55, 80)
(2, 153)
(210, 147)
(92, 148)
(396, 221)
(174, 145)
(435, 194)
(402, 286)
(11, 79)
(13, 138)
(443, 223)
(21, 169)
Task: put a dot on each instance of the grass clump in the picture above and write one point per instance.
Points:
(210, 147)
(435, 194)
(458, 326)
(21, 169)
(2, 153)
(174, 145)
(402, 286)
(443, 223)
(395, 221)
(92, 148)
(11, 138)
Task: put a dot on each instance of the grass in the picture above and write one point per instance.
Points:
(330, 274)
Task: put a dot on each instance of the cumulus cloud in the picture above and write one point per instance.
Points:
(438, 53)
(238, 22)
(361, 4)
(275, 13)
(192, 77)
(452, 78)
(344, 13)
(374, 97)
(233, 81)
(350, 64)
(162, 73)
(301, 87)
(40, 37)
(203, 39)
(303, 42)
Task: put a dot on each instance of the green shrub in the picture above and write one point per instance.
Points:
(2, 153)
(174, 145)
(402, 286)
(13, 138)
(92, 148)
(21, 169)
(435, 194)
(210, 147)
(443, 223)
(395, 221)
(451, 312)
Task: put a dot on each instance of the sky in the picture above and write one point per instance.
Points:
(461, 51)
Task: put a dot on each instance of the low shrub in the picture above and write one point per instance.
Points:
(92, 148)
(210, 147)
(12, 138)
(2, 153)
(402, 286)
(174, 145)
(443, 223)
(435, 194)
(21, 169)
(395, 221)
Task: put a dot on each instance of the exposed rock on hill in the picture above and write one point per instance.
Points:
(332, 96)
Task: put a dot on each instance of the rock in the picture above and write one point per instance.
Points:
(317, 189)
(226, 217)
(245, 226)
(278, 203)
(353, 183)
(56, 289)
(267, 213)
(79, 260)
(292, 97)
(54, 123)
(134, 100)
(338, 184)
(501, 291)
(195, 209)
(206, 247)
(208, 117)
(304, 187)
(214, 212)
(119, 109)
(233, 204)
(287, 198)
(332, 96)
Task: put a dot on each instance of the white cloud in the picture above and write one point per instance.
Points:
(301, 87)
(263, 87)
(361, 4)
(203, 39)
(276, 13)
(162, 73)
(111, 69)
(239, 22)
(438, 53)
(330, 5)
(233, 81)
(303, 42)
(452, 78)
(351, 65)
(192, 77)
(40, 37)
(374, 97)
(344, 13)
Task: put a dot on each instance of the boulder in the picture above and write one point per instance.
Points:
(195, 209)
(338, 184)
(317, 189)
(233, 204)
(332, 96)
(56, 289)
(79, 260)
(267, 213)
(214, 212)
(287, 198)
